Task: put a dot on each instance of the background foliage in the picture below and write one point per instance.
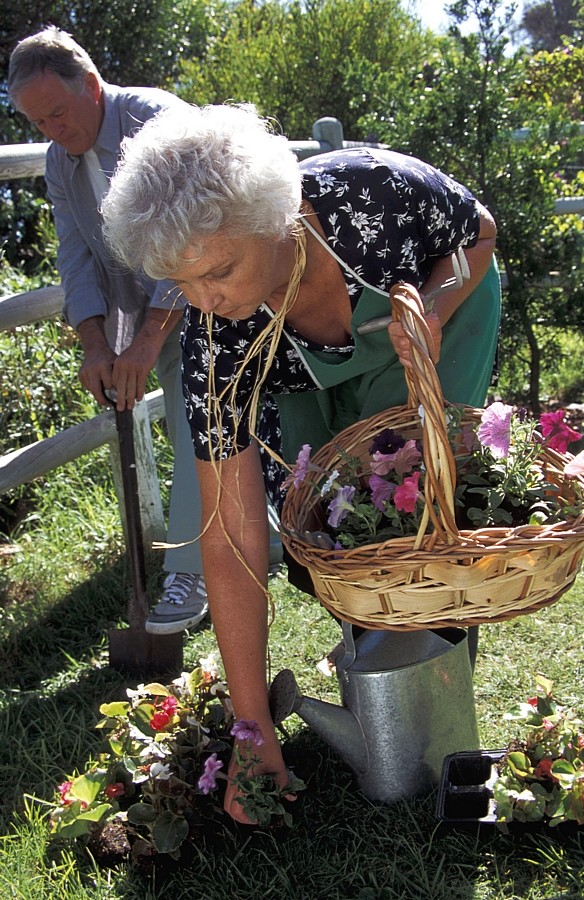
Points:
(502, 119)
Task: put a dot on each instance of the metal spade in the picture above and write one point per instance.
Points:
(131, 649)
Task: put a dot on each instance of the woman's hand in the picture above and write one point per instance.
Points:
(270, 762)
(401, 344)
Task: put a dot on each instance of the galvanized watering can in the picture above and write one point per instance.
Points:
(407, 703)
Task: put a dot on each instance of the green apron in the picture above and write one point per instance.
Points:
(372, 378)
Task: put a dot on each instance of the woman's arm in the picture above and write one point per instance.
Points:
(236, 510)
(445, 305)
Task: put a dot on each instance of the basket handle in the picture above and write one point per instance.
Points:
(424, 390)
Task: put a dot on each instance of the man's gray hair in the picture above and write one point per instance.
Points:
(190, 172)
(50, 50)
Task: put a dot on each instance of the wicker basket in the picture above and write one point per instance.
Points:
(441, 576)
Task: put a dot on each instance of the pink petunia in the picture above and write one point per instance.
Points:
(208, 780)
(576, 466)
(381, 491)
(64, 789)
(556, 432)
(169, 705)
(382, 463)
(248, 730)
(406, 494)
(494, 431)
(402, 461)
(407, 457)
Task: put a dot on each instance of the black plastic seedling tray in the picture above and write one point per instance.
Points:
(465, 798)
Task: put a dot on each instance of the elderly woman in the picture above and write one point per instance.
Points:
(280, 262)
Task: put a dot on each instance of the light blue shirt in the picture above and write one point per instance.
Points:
(94, 283)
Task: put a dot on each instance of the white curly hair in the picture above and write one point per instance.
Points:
(187, 173)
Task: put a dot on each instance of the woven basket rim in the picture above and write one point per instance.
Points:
(403, 561)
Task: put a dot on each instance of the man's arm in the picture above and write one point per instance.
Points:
(77, 266)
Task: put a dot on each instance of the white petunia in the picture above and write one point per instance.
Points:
(160, 771)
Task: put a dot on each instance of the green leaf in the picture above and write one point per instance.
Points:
(83, 821)
(519, 763)
(564, 770)
(87, 787)
(169, 831)
(545, 683)
(96, 813)
(142, 814)
(118, 708)
(156, 689)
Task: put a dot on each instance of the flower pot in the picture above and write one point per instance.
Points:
(465, 798)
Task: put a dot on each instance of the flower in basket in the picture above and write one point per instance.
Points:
(166, 751)
(501, 479)
(541, 777)
(503, 469)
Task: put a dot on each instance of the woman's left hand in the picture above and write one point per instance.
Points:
(401, 343)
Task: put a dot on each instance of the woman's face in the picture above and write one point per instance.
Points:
(233, 276)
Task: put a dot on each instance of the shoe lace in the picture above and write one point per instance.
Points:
(177, 587)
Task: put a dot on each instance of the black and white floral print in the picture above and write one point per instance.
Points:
(386, 216)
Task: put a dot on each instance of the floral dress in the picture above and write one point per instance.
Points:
(386, 216)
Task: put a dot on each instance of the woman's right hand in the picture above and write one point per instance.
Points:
(270, 762)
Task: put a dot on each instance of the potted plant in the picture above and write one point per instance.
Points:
(537, 781)
(156, 781)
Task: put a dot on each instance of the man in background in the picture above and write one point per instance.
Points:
(127, 324)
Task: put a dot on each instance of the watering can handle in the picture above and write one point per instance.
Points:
(350, 649)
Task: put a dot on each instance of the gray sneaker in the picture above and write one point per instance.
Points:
(183, 604)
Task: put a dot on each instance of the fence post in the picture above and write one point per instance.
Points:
(328, 131)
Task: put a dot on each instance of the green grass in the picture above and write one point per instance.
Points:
(69, 582)
(53, 654)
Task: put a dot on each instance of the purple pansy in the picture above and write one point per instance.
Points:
(341, 505)
(248, 730)
(494, 431)
(208, 780)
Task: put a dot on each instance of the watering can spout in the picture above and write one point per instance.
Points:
(336, 725)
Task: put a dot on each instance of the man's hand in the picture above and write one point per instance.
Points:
(132, 367)
(95, 373)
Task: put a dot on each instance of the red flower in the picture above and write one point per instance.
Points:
(556, 432)
(533, 702)
(544, 770)
(117, 789)
(159, 720)
(406, 495)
